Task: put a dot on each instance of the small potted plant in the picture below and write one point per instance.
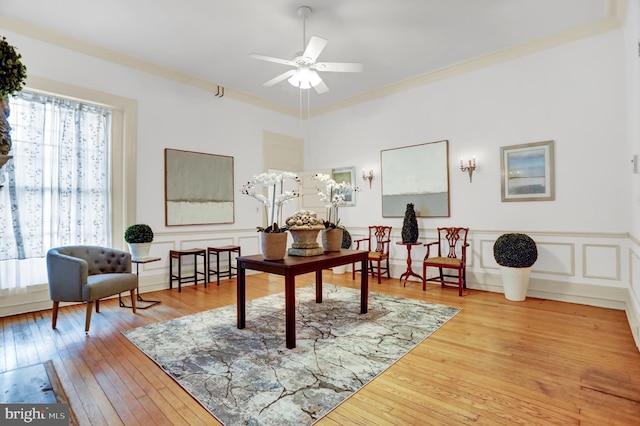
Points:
(139, 238)
(515, 253)
(12, 77)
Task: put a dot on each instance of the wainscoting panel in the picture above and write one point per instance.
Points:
(486, 254)
(555, 258)
(601, 261)
(250, 244)
(597, 277)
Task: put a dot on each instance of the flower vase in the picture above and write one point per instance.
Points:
(332, 239)
(274, 245)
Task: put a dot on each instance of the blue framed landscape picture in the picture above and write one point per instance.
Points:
(527, 172)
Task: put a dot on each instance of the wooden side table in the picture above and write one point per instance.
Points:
(409, 272)
(138, 298)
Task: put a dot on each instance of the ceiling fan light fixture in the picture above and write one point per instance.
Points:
(304, 78)
(305, 75)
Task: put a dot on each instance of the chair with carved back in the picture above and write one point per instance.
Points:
(378, 244)
(448, 253)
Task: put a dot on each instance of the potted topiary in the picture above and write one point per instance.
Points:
(410, 229)
(515, 253)
(139, 238)
(12, 77)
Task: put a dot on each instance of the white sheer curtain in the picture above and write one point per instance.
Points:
(56, 189)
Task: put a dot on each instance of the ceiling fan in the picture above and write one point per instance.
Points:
(305, 75)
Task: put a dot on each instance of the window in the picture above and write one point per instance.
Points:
(56, 190)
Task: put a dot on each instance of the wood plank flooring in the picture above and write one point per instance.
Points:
(498, 362)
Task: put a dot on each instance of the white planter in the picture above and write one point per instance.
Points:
(139, 250)
(515, 282)
(339, 269)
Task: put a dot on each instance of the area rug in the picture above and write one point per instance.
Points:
(249, 377)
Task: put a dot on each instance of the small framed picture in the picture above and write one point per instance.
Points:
(527, 172)
(347, 175)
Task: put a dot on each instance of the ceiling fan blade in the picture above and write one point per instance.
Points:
(338, 66)
(272, 59)
(321, 88)
(314, 48)
(279, 78)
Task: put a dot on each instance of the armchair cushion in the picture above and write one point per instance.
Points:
(105, 285)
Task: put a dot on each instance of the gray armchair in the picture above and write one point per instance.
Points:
(88, 274)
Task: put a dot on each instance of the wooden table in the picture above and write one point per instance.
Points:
(291, 266)
(409, 272)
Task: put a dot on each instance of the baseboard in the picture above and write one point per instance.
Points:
(562, 291)
(633, 316)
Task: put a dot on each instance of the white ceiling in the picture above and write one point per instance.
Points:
(396, 40)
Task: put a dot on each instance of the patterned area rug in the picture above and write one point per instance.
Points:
(249, 377)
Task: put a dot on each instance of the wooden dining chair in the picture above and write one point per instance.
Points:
(448, 253)
(378, 244)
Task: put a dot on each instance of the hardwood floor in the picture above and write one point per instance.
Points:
(497, 362)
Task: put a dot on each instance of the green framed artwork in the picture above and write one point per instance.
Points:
(198, 188)
(417, 174)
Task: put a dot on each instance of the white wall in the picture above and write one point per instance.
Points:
(574, 94)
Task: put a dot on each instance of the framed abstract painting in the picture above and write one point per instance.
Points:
(417, 174)
(198, 188)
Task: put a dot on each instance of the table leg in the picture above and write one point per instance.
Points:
(364, 289)
(170, 271)
(241, 296)
(319, 286)
(290, 309)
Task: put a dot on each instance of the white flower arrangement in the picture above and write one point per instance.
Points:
(279, 197)
(333, 195)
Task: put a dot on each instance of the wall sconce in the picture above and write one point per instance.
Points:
(368, 177)
(468, 168)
